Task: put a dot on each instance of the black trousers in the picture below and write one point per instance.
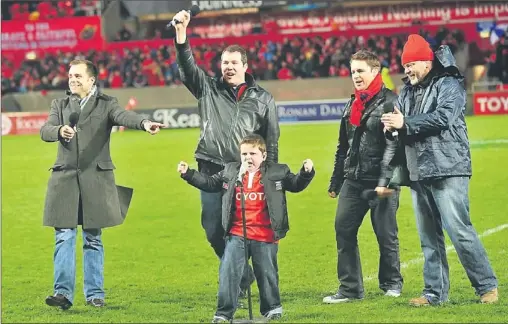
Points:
(351, 210)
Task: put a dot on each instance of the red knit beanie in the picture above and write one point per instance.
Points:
(416, 49)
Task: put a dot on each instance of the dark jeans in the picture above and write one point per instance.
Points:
(211, 219)
(444, 203)
(351, 210)
(264, 261)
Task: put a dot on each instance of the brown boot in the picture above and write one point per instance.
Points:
(490, 297)
(419, 301)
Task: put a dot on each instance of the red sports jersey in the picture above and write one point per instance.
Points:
(257, 219)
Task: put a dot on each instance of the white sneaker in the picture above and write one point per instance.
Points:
(274, 314)
(336, 299)
(392, 293)
(220, 319)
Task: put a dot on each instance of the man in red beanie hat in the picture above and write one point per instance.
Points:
(430, 123)
(362, 163)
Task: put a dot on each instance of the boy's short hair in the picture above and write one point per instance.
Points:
(256, 141)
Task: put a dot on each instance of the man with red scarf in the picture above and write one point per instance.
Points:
(363, 162)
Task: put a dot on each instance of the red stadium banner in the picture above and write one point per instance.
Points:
(490, 103)
(357, 20)
(23, 123)
(76, 34)
(389, 16)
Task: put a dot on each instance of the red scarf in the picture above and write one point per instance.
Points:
(362, 97)
(241, 89)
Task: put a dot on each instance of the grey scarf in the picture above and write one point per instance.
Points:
(83, 101)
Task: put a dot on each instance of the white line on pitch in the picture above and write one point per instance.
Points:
(492, 141)
(450, 248)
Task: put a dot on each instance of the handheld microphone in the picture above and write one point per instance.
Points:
(241, 173)
(369, 194)
(193, 11)
(73, 120)
(388, 108)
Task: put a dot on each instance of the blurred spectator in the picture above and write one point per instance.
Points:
(124, 34)
(43, 9)
(501, 60)
(270, 72)
(343, 71)
(157, 34)
(89, 7)
(140, 80)
(115, 79)
(284, 72)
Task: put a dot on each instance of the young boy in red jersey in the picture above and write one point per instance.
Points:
(264, 186)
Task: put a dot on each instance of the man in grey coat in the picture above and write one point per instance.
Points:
(82, 189)
(430, 121)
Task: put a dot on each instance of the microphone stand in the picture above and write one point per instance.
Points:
(245, 247)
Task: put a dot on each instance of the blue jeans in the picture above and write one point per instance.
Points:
(211, 220)
(65, 263)
(264, 262)
(444, 203)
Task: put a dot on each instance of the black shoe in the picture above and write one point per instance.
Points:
(58, 300)
(95, 302)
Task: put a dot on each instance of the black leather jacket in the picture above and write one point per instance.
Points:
(277, 179)
(224, 119)
(363, 152)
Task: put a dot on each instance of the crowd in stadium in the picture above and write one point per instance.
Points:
(35, 10)
(298, 57)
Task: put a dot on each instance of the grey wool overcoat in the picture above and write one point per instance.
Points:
(83, 171)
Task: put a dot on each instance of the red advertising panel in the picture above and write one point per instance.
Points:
(490, 103)
(391, 16)
(22, 123)
(76, 34)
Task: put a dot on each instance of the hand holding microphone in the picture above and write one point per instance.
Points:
(381, 192)
(181, 19)
(241, 173)
(388, 109)
(67, 131)
(392, 118)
